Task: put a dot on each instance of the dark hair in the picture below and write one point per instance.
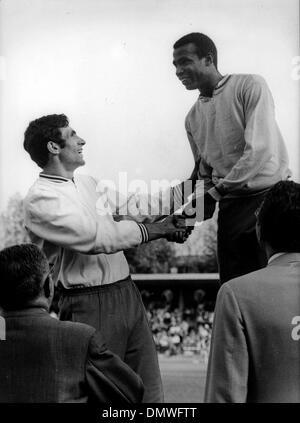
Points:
(40, 132)
(279, 217)
(22, 269)
(203, 44)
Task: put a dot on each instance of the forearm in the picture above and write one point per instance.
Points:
(155, 231)
(245, 170)
(84, 233)
(118, 236)
(173, 228)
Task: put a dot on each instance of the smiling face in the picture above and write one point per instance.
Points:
(192, 71)
(70, 154)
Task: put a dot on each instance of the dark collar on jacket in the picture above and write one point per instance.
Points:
(30, 311)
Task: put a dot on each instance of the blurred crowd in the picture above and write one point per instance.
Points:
(181, 331)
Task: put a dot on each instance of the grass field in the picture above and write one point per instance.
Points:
(183, 378)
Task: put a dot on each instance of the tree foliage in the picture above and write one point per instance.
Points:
(208, 256)
(198, 254)
(12, 226)
(155, 257)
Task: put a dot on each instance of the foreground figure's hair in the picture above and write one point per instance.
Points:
(22, 269)
(279, 217)
(203, 43)
(40, 132)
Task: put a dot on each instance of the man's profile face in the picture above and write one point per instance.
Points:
(190, 69)
(71, 154)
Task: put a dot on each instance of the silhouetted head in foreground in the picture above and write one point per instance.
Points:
(278, 219)
(25, 278)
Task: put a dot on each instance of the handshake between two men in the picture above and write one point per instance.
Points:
(178, 227)
(173, 228)
(186, 204)
(196, 210)
(201, 206)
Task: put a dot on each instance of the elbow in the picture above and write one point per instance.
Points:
(102, 248)
(107, 245)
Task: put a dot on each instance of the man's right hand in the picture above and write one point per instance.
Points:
(173, 228)
(182, 233)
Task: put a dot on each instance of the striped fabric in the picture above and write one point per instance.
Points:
(144, 232)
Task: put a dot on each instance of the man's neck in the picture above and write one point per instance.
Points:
(40, 302)
(58, 170)
(212, 82)
(270, 252)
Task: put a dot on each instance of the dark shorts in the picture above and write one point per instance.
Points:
(117, 311)
(239, 252)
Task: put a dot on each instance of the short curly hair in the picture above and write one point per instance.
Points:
(279, 217)
(203, 43)
(40, 132)
(23, 269)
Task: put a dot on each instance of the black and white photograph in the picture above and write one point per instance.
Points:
(149, 204)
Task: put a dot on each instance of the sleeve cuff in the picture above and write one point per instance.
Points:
(144, 233)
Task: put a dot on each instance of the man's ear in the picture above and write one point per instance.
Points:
(209, 59)
(53, 147)
(48, 287)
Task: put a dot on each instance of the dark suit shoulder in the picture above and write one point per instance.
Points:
(46, 325)
(79, 332)
(77, 328)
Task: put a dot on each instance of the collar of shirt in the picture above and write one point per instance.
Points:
(56, 178)
(274, 256)
(220, 84)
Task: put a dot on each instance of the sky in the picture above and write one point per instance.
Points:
(107, 65)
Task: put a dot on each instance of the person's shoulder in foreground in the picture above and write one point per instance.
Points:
(44, 359)
(255, 349)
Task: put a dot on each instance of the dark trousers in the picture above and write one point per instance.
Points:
(117, 311)
(239, 252)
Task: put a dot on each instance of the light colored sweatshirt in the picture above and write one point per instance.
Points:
(236, 135)
(74, 225)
